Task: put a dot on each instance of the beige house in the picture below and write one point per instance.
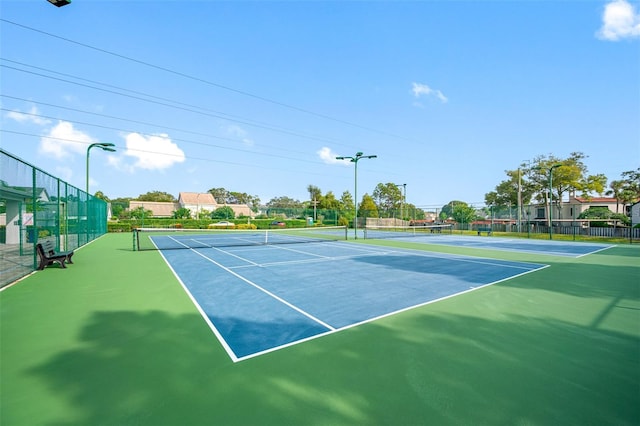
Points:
(158, 209)
(240, 210)
(194, 201)
(570, 210)
(197, 202)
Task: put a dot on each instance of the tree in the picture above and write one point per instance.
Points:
(100, 195)
(631, 191)
(632, 182)
(224, 212)
(223, 196)
(626, 190)
(157, 196)
(570, 178)
(506, 192)
(616, 190)
(219, 194)
(284, 203)
(140, 213)
(413, 212)
(446, 212)
(119, 207)
(315, 194)
(458, 211)
(347, 201)
(330, 202)
(253, 201)
(604, 214)
(182, 213)
(367, 207)
(388, 196)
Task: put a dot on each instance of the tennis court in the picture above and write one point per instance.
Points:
(258, 298)
(116, 339)
(445, 236)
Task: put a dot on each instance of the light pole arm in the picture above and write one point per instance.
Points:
(105, 146)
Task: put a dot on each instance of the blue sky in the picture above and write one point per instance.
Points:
(260, 97)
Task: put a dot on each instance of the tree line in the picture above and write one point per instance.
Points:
(551, 178)
(526, 184)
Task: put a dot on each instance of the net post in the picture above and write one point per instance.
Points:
(135, 237)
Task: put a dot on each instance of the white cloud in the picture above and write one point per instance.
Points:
(64, 173)
(118, 164)
(155, 152)
(619, 20)
(29, 117)
(238, 132)
(420, 89)
(329, 157)
(63, 140)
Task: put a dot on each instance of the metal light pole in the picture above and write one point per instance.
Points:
(404, 198)
(519, 202)
(550, 178)
(355, 160)
(102, 145)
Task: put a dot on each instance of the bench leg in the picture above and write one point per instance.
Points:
(46, 262)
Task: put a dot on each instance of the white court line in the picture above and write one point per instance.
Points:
(330, 329)
(408, 308)
(278, 298)
(452, 257)
(204, 315)
(314, 260)
(495, 243)
(318, 257)
(232, 255)
(592, 252)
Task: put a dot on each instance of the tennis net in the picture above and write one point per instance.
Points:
(171, 238)
(376, 232)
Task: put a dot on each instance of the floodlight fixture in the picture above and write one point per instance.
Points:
(59, 3)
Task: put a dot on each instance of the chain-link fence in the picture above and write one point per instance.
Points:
(35, 205)
(573, 219)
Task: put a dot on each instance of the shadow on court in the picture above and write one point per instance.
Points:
(441, 368)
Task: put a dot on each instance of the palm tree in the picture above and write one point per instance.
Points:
(617, 190)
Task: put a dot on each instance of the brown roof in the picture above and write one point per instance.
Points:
(159, 209)
(241, 209)
(196, 198)
(596, 200)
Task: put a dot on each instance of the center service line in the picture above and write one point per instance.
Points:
(278, 298)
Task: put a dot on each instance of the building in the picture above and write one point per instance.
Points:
(15, 218)
(570, 210)
(158, 209)
(635, 214)
(196, 202)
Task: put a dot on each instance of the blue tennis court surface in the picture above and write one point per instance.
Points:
(548, 247)
(260, 298)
